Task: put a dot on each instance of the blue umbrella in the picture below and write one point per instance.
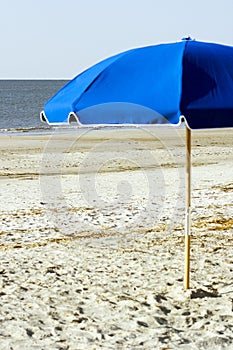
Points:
(189, 78)
(157, 84)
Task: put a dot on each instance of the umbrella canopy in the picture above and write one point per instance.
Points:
(152, 85)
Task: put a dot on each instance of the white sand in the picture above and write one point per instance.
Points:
(92, 241)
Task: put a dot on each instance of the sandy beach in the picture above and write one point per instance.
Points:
(92, 240)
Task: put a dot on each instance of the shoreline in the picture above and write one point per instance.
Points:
(45, 128)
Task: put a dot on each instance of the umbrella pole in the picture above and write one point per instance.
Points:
(187, 209)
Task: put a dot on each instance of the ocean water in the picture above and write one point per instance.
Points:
(21, 102)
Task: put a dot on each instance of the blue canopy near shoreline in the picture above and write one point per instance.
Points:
(152, 85)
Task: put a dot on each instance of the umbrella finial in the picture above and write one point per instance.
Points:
(188, 38)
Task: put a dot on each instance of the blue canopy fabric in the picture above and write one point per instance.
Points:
(152, 85)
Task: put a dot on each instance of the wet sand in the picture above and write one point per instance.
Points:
(92, 240)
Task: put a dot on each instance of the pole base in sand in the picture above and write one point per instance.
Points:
(187, 262)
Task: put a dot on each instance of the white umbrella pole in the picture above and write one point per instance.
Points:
(187, 209)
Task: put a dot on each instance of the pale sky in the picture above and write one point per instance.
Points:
(57, 39)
